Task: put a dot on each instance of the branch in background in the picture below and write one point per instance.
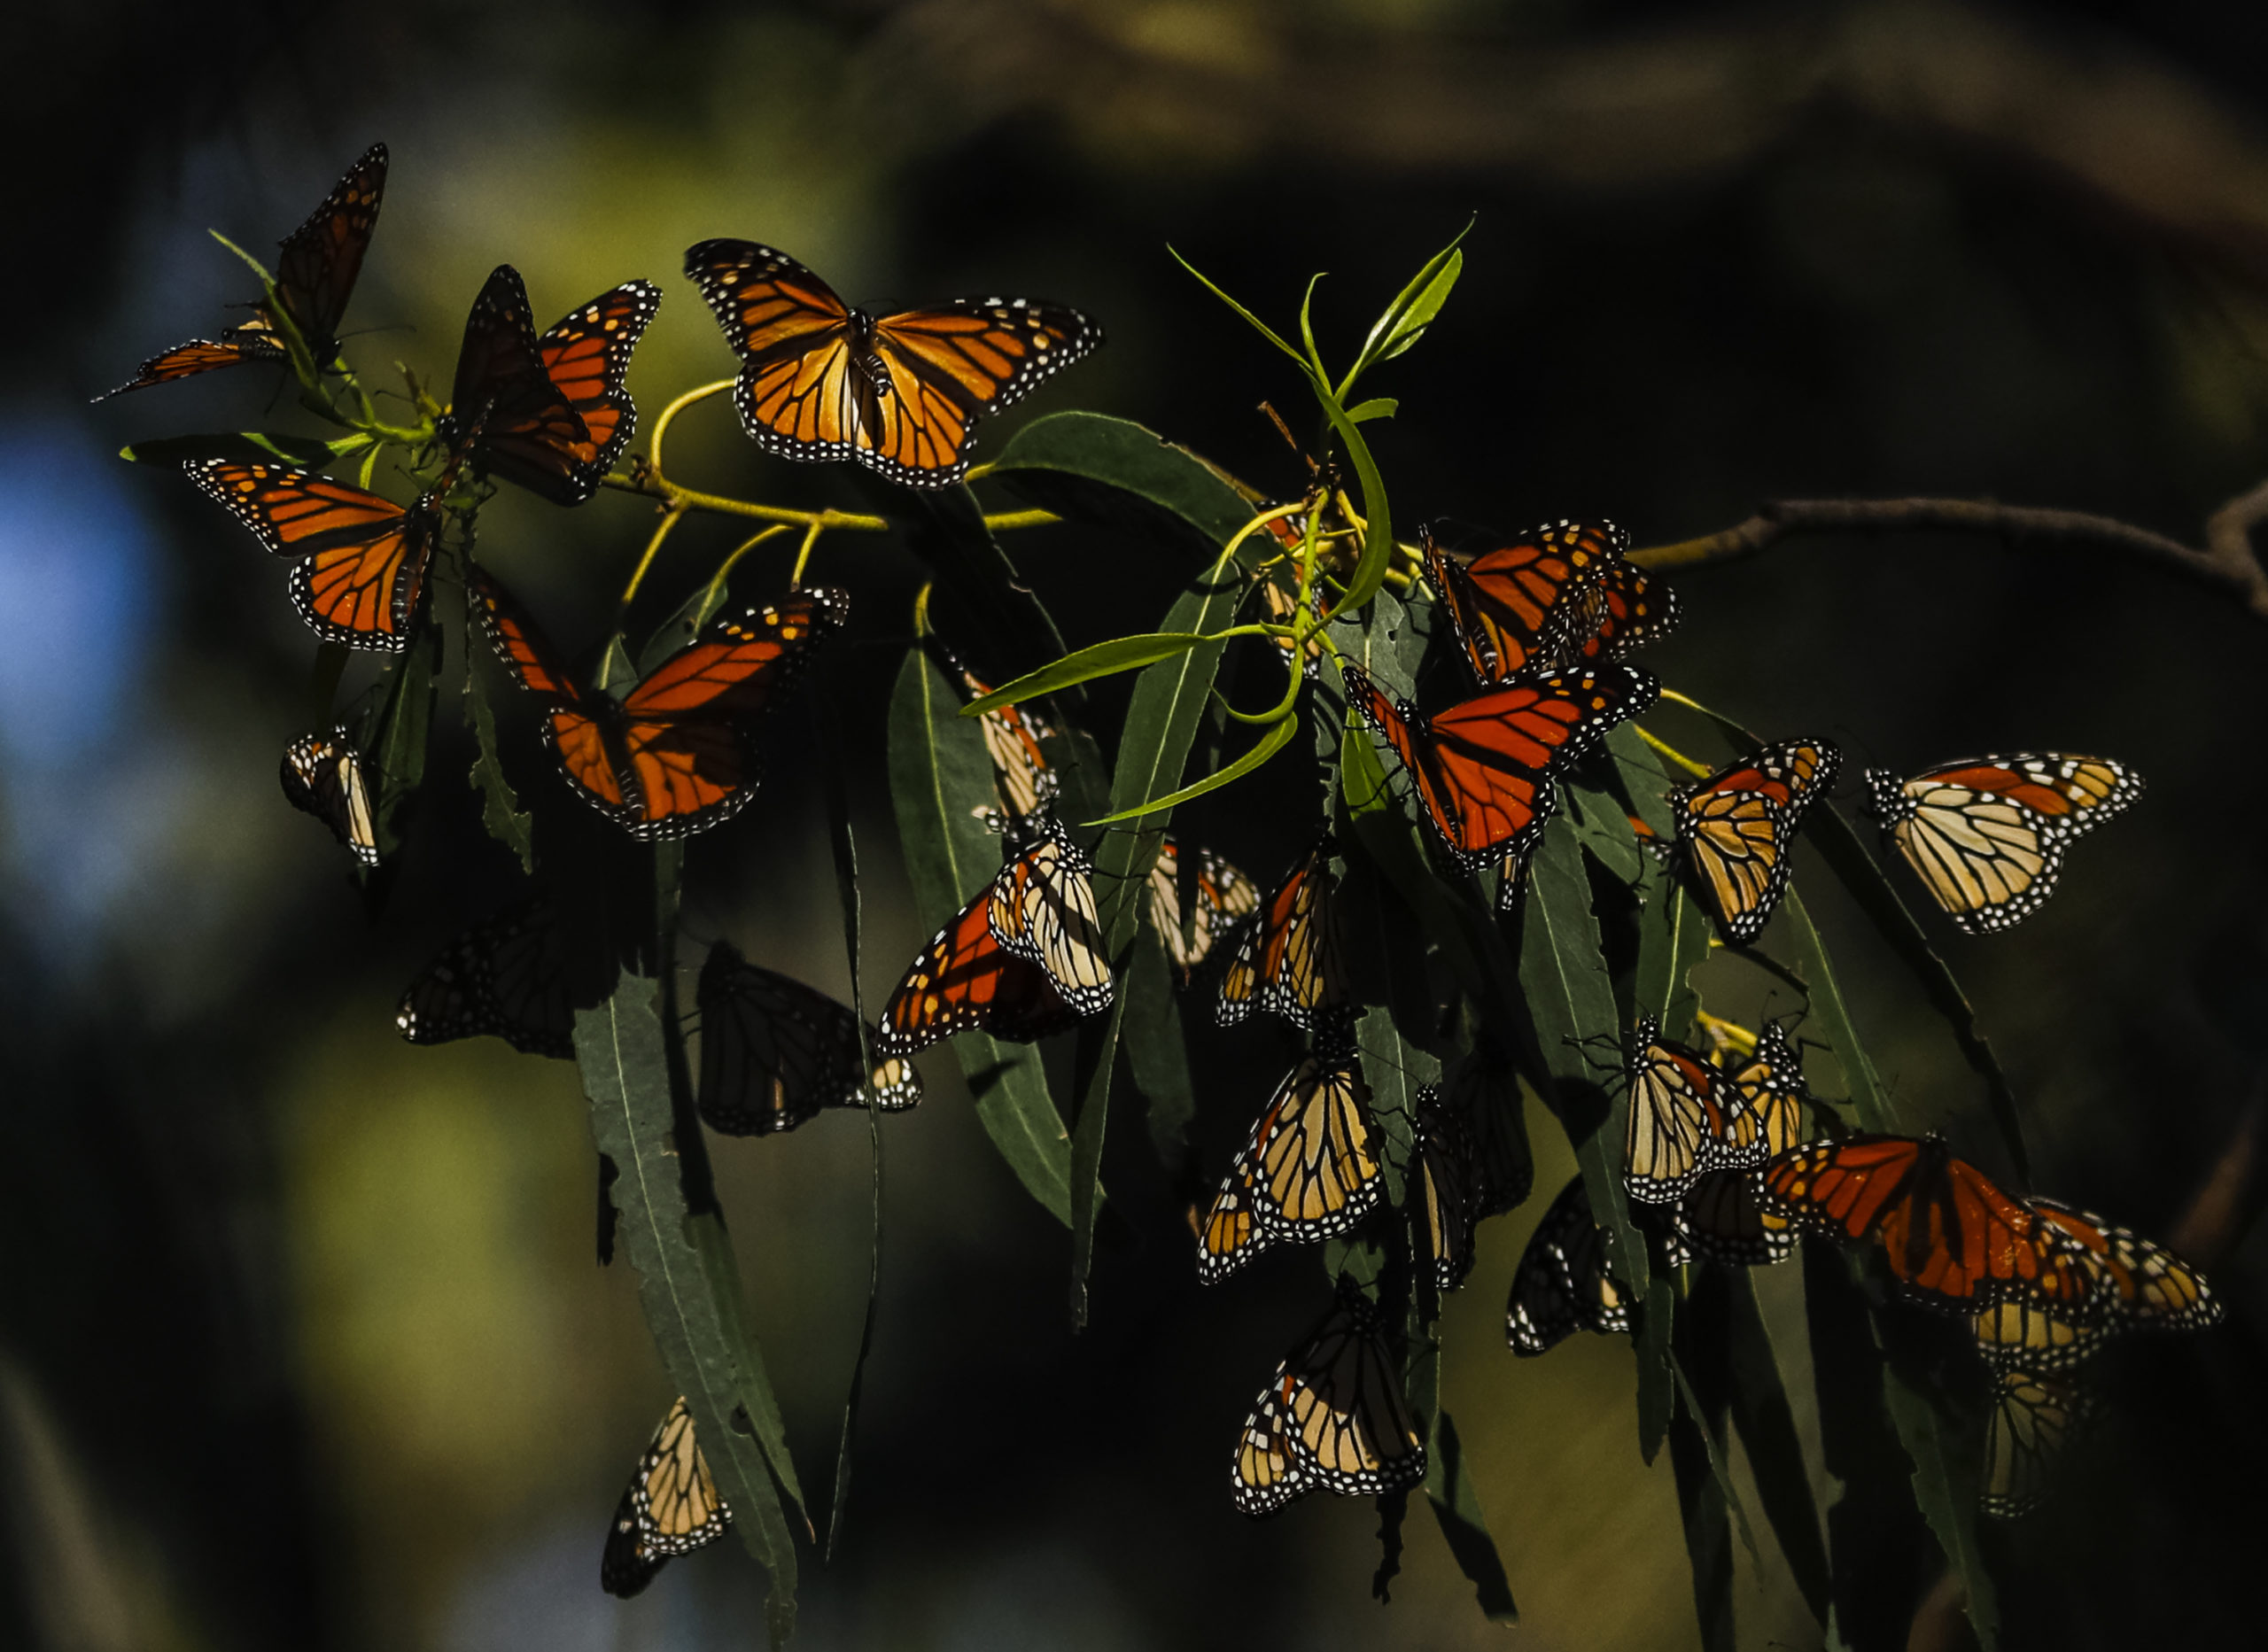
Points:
(2229, 1201)
(2226, 562)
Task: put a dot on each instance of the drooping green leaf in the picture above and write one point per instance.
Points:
(246, 448)
(1089, 467)
(1082, 665)
(1945, 1486)
(1672, 940)
(1156, 1050)
(1403, 322)
(400, 730)
(1394, 1068)
(1455, 1504)
(1758, 1399)
(1098, 1061)
(939, 777)
(689, 1282)
(1830, 1020)
(1876, 1538)
(1651, 1334)
(1705, 1512)
(499, 806)
(945, 529)
(1257, 325)
(845, 847)
(1277, 736)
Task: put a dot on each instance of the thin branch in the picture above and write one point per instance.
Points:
(2226, 562)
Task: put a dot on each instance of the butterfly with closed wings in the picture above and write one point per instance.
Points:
(323, 776)
(1562, 1285)
(774, 1052)
(1331, 1417)
(1736, 829)
(898, 393)
(1288, 960)
(670, 1507)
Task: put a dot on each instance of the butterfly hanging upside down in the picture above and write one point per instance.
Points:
(898, 393)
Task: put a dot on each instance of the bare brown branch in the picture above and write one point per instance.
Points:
(2226, 564)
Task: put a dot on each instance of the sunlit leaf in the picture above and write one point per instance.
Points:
(248, 447)
(1103, 659)
(1376, 408)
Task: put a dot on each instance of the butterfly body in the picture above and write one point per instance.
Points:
(673, 756)
(898, 393)
(1986, 836)
(1310, 1170)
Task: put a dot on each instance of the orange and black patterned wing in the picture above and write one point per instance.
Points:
(1738, 827)
(1484, 769)
(1562, 1285)
(1044, 911)
(316, 272)
(1315, 1149)
(936, 372)
(1623, 611)
(774, 1052)
(1287, 958)
(323, 775)
(1268, 1472)
(1021, 774)
(965, 980)
(362, 558)
(2146, 1285)
(1448, 1177)
(670, 1507)
(801, 382)
(571, 728)
(233, 348)
(587, 357)
(511, 421)
(1342, 1398)
(1195, 902)
(1519, 606)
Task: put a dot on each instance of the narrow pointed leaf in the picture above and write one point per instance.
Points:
(248, 447)
(400, 730)
(1945, 1486)
(1829, 1018)
(1758, 1399)
(1103, 659)
(1088, 467)
(1098, 1061)
(1456, 1502)
(1156, 1049)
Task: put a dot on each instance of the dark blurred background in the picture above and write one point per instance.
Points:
(300, 1341)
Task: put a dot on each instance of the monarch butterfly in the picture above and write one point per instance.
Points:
(1310, 1171)
(1721, 1216)
(1447, 1180)
(898, 393)
(1196, 901)
(1279, 606)
(1986, 836)
(507, 978)
(773, 1052)
(1737, 827)
(314, 276)
(1043, 911)
(1551, 599)
(1684, 1119)
(672, 758)
(2014, 1333)
(1482, 1093)
(1562, 1285)
(1331, 1416)
(2148, 1285)
(554, 415)
(323, 776)
(965, 980)
(2035, 1416)
(1952, 1238)
(1484, 769)
(1288, 960)
(670, 1507)
(1022, 775)
(360, 572)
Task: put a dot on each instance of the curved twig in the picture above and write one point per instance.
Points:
(2226, 562)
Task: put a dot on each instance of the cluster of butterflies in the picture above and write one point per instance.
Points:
(819, 380)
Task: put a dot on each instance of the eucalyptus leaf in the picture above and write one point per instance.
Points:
(1156, 1048)
(1758, 1399)
(1376, 408)
(396, 738)
(499, 806)
(1103, 659)
(1088, 467)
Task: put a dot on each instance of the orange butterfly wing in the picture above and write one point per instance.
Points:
(527, 433)
(364, 558)
(965, 980)
(1484, 768)
(1516, 607)
(574, 736)
(949, 367)
(587, 358)
(1738, 826)
(797, 392)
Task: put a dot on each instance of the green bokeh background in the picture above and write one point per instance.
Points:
(300, 1341)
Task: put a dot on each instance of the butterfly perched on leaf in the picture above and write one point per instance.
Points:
(1287, 959)
(1986, 836)
(1686, 1119)
(671, 1506)
(1721, 1216)
(1310, 1170)
(1197, 900)
(2143, 1285)
(1023, 777)
(1482, 1093)
(551, 413)
(1331, 1417)
(2036, 1415)
(898, 393)
(1448, 1177)
(1484, 769)
(1549, 600)
(1952, 1238)
(774, 1052)
(361, 561)
(323, 776)
(510, 977)
(1562, 1285)
(1023, 960)
(314, 276)
(674, 756)
(1736, 829)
